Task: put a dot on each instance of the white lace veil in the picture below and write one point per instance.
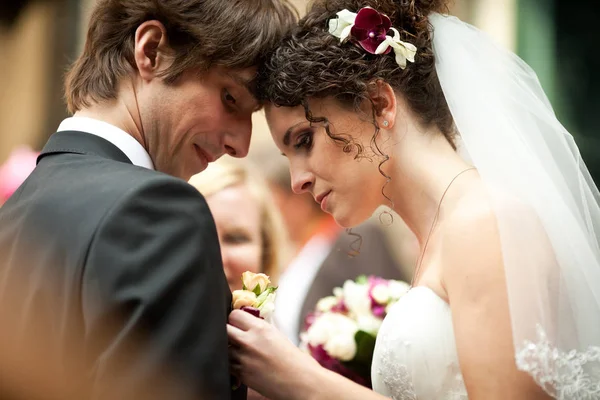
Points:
(546, 204)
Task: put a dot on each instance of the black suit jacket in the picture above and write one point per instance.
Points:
(113, 253)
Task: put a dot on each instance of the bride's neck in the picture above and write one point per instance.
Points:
(421, 168)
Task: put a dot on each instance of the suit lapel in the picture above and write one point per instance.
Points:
(82, 143)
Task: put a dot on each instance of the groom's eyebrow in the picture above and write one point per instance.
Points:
(248, 84)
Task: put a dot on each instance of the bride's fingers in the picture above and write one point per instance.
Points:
(234, 355)
(235, 362)
(236, 335)
(236, 370)
(244, 321)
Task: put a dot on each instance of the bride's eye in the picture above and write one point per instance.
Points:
(304, 141)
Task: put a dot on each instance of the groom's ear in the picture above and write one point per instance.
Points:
(383, 99)
(151, 52)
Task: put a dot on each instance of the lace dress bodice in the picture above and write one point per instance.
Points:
(415, 355)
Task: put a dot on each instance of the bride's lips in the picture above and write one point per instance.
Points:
(322, 200)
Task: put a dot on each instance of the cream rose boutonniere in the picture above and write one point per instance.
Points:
(256, 297)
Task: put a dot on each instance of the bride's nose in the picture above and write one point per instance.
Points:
(302, 181)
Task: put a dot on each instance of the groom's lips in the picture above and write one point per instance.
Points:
(203, 154)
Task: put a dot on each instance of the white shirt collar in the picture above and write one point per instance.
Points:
(124, 141)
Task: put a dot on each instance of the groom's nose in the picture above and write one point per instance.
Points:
(237, 142)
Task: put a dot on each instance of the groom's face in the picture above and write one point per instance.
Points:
(198, 119)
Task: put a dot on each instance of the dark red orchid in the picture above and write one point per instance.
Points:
(370, 29)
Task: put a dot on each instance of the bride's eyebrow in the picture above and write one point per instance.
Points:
(288, 133)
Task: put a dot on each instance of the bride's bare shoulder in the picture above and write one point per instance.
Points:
(471, 236)
(484, 204)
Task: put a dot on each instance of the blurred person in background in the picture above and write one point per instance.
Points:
(251, 233)
(160, 90)
(15, 170)
(325, 254)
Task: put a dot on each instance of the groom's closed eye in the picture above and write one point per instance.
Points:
(244, 92)
(228, 98)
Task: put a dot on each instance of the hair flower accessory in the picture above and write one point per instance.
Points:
(369, 29)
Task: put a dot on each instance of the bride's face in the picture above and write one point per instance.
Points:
(348, 188)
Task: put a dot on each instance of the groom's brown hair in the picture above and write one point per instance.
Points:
(201, 33)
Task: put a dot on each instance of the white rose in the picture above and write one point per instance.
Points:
(327, 303)
(319, 331)
(341, 346)
(252, 280)
(242, 298)
(338, 292)
(380, 293)
(356, 298)
(397, 289)
(329, 325)
(369, 324)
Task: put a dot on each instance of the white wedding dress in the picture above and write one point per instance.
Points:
(415, 354)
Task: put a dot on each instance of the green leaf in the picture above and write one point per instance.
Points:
(365, 346)
(256, 290)
(362, 279)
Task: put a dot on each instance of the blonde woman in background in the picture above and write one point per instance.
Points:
(251, 232)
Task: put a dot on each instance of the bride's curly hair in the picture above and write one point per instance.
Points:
(311, 63)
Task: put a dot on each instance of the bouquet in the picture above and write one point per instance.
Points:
(256, 297)
(341, 333)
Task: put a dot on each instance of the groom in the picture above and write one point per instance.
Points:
(114, 245)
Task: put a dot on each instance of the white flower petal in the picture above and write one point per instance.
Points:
(356, 298)
(334, 24)
(342, 347)
(369, 324)
(326, 303)
(400, 58)
(338, 292)
(397, 289)
(383, 46)
(381, 294)
(404, 52)
(346, 32)
(347, 16)
(336, 27)
(396, 34)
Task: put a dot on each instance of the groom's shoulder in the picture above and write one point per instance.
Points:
(96, 187)
(131, 183)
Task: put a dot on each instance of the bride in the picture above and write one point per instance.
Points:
(390, 102)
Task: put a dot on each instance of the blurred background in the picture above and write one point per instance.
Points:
(557, 38)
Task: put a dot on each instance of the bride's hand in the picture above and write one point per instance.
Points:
(265, 360)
